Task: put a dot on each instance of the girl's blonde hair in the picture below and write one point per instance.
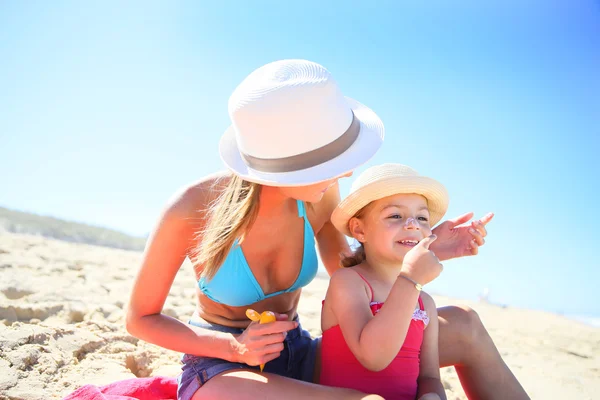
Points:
(359, 255)
(230, 217)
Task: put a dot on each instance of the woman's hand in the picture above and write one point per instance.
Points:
(261, 343)
(457, 241)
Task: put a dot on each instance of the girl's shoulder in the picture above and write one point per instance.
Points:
(345, 281)
(347, 273)
(347, 291)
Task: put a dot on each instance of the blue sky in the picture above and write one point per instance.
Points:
(107, 108)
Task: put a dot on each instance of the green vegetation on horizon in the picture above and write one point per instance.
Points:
(33, 224)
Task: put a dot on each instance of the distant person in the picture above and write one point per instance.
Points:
(484, 297)
(251, 234)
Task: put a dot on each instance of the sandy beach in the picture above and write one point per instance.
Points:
(61, 305)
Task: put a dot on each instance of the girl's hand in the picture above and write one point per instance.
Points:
(459, 241)
(261, 343)
(421, 264)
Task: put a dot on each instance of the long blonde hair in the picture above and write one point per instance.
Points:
(358, 255)
(230, 217)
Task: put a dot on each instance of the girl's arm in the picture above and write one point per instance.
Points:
(165, 251)
(330, 241)
(374, 340)
(429, 380)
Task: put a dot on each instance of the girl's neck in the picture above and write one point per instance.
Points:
(273, 203)
(384, 269)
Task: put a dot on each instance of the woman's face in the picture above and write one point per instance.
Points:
(311, 193)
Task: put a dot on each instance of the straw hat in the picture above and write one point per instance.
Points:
(387, 180)
(292, 127)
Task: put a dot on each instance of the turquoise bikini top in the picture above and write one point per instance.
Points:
(235, 285)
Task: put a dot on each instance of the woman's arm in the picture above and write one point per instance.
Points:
(331, 242)
(166, 249)
(429, 371)
(374, 340)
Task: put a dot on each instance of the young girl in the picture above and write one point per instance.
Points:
(380, 331)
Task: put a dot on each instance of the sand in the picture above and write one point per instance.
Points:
(61, 305)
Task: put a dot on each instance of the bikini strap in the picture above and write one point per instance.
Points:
(301, 209)
(421, 306)
(370, 287)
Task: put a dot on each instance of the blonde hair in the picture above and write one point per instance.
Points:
(229, 218)
(359, 255)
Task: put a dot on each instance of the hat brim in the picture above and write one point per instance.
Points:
(435, 193)
(367, 143)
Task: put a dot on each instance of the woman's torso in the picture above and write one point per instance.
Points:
(273, 251)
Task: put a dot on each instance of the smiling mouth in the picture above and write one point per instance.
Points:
(409, 243)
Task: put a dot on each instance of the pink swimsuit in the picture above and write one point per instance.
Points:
(340, 368)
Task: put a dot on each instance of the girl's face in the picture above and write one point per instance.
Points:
(311, 193)
(391, 226)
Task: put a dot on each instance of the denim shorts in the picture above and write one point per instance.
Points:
(297, 361)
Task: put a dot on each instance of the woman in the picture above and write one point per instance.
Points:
(251, 233)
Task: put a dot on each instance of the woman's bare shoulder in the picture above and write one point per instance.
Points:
(198, 195)
(185, 213)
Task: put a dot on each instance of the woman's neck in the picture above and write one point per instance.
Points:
(273, 203)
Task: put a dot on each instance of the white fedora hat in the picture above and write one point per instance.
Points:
(387, 180)
(292, 127)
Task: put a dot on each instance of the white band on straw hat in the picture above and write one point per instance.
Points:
(292, 126)
(387, 180)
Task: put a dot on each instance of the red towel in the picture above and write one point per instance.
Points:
(156, 388)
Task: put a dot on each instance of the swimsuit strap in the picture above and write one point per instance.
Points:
(367, 282)
(301, 209)
(421, 305)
